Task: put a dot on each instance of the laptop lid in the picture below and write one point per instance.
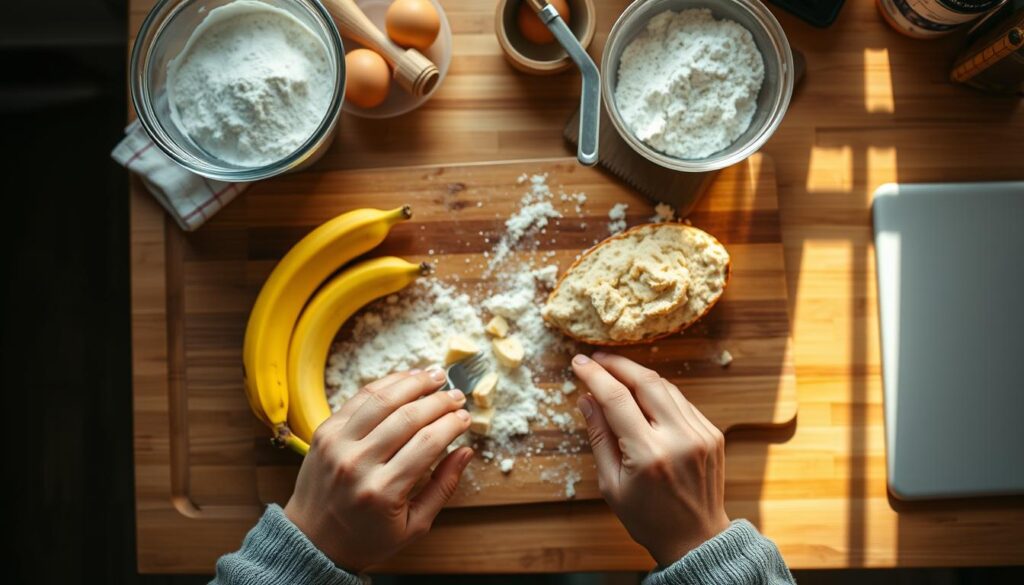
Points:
(950, 267)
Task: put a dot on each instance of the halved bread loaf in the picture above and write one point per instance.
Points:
(641, 285)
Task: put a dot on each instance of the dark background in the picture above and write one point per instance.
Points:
(65, 313)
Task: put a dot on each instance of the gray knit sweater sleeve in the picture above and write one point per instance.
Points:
(738, 556)
(276, 552)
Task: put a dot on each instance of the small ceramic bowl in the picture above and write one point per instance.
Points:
(529, 57)
(400, 101)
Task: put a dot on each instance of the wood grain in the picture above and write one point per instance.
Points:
(875, 107)
(212, 277)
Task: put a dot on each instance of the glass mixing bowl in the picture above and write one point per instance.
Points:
(163, 35)
(772, 100)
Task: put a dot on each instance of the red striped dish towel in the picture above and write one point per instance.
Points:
(191, 199)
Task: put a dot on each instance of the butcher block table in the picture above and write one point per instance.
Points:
(875, 107)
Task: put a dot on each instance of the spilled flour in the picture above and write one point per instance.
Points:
(410, 329)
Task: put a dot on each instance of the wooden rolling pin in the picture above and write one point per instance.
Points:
(413, 72)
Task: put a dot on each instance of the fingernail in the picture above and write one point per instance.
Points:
(462, 414)
(580, 359)
(456, 395)
(585, 407)
(467, 456)
(436, 374)
(599, 355)
(414, 371)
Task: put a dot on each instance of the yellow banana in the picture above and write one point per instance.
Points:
(289, 286)
(332, 305)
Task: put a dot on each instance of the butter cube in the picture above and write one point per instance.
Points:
(484, 391)
(460, 347)
(480, 420)
(497, 326)
(508, 351)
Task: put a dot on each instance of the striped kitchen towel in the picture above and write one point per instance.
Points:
(191, 199)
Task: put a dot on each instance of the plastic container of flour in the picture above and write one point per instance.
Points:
(772, 99)
(165, 34)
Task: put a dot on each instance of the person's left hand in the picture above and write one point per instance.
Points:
(352, 497)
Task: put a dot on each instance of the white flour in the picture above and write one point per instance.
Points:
(409, 329)
(688, 83)
(251, 85)
(531, 218)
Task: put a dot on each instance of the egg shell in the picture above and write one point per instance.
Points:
(531, 26)
(367, 78)
(412, 23)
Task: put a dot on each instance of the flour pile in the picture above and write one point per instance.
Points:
(688, 84)
(409, 329)
(251, 85)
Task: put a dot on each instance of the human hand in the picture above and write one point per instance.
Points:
(660, 463)
(352, 496)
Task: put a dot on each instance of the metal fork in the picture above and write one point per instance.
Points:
(465, 374)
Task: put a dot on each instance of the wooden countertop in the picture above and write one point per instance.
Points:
(875, 107)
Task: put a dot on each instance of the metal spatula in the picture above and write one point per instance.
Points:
(590, 95)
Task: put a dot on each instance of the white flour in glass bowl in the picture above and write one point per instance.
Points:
(251, 85)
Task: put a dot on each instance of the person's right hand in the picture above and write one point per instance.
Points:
(353, 498)
(660, 463)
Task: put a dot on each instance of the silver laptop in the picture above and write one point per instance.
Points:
(950, 261)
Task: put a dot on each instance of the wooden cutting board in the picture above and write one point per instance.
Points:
(222, 464)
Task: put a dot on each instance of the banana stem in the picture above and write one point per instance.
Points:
(283, 437)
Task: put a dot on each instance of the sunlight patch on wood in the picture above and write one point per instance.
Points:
(878, 95)
(881, 167)
(831, 169)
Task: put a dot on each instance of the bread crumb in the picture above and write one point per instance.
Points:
(617, 218)
(507, 464)
(663, 212)
(725, 358)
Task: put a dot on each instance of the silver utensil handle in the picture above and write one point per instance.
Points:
(590, 94)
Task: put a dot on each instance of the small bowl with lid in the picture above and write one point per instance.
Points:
(165, 34)
(772, 99)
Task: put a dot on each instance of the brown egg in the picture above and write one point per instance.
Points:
(367, 78)
(531, 26)
(412, 23)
